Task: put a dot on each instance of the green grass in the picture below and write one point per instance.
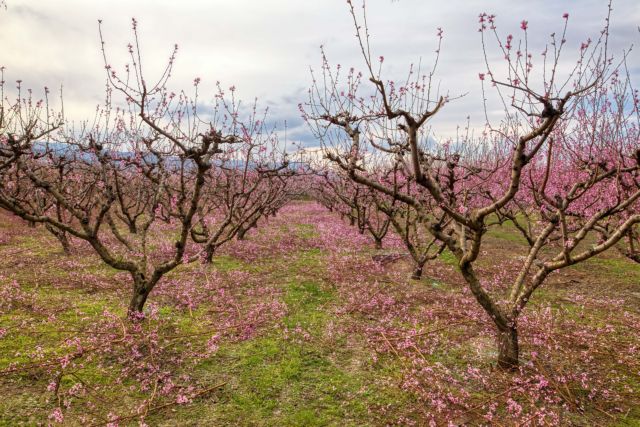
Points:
(296, 381)
(448, 258)
(631, 419)
(507, 232)
(227, 263)
(325, 376)
(306, 231)
(284, 379)
(277, 379)
(622, 269)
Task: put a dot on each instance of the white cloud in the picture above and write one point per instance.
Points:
(265, 48)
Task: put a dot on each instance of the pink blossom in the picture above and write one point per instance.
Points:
(56, 416)
(182, 399)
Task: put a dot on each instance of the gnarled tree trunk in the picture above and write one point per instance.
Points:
(241, 233)
(418, 268)
(62, 237)
(417, 272)
(508, 348)
(141, 290)
(378, 243)
(208, 255)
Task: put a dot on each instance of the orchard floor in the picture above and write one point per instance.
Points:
(299, 325)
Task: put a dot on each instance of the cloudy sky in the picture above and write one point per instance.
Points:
(265, 47)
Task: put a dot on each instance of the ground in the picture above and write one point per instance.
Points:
(298, 325)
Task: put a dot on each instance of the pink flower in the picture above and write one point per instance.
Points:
(181, 399)
(481, 76)
(212, 344)
(513, 407)
(524, 25)
(565, 15)
(509, 39)
(56, 416)
(65, 361)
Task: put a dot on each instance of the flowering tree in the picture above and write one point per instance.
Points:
(409, 222)
(238, 198)
(350, 203)
(277, 195)
(517, 169)
(139, 174)
(362, 207)
(24, 122)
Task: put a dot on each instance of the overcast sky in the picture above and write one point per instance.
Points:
(265, 47)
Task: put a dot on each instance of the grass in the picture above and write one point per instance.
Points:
(620, 269)
(286, 379)
(226, 263)
(278, 378)
(311, 367)
(448, 258)
(306, 231)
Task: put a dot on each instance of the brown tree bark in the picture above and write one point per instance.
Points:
(208, 256)
(138, 300)
(62, 237)
(141, 290)
(417, 272)
(508, 348)
(241, 233)
(378, 243)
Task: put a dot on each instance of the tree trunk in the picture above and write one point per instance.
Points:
(508, 349)
(243, 230)
(417, 272)
(64, 242)
(62, 237)
(507, 327)
(352, 221)
(378, 243)
(208, 256)
(140, 294)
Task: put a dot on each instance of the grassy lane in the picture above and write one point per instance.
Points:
(301, 373)
(298, 326)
